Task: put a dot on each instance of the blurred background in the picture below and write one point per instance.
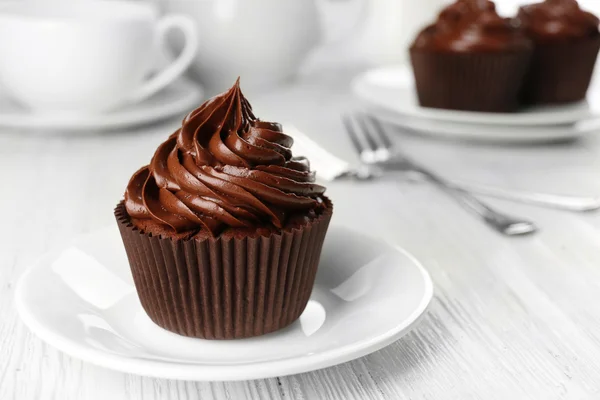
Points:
(311, 35)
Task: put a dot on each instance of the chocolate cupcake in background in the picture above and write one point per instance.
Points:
(470, 59)
(224, 229)
(567, 40)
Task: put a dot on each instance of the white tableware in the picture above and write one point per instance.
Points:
(86, 56)
(176, 100)
(82, 301)
(390, 27)
(263, 41)
(391, 88)
(508, 134)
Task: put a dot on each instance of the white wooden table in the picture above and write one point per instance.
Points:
(512, 318)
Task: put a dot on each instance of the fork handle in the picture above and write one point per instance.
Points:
(561, 202)
(503, 223)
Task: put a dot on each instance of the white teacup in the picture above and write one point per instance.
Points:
(86, 56)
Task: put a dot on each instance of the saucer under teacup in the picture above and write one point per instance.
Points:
(176, 100)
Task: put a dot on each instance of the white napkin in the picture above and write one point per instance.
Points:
(327, 165)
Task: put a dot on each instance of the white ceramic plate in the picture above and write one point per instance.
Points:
(392, 88)
(82, 301)
(177, 99)
(488, 133)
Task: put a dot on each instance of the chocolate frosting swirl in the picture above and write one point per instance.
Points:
(558, 20)
(223, 168)
(471, 26)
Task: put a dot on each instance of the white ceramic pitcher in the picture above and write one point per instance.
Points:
(391, 26)
(266, 41)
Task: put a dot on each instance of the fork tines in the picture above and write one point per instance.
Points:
(375, 145)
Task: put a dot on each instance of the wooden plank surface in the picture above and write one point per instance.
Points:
(511, 319)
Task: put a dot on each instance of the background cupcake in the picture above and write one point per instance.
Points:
(566, 41)
(470, 59)
(224, 229)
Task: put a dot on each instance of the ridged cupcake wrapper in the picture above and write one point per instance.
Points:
(224, 288)
(561, 73)
(489, 82)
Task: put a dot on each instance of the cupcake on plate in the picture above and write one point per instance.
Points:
(224, 228)
(470, 59)
(567, 40)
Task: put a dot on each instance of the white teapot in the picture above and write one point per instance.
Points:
(266, 41)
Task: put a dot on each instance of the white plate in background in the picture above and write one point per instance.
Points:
(82, 301)
(488, 133)
(392, 88)
(179, 98)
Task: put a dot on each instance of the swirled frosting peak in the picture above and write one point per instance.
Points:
(558, 19)
(470, 26)
(223, 168)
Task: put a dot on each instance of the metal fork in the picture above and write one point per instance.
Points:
(379, 149)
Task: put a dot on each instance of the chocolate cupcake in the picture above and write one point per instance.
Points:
(566, 43)
(470, 59)
(224, 229)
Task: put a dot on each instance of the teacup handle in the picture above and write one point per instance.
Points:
(174, 70)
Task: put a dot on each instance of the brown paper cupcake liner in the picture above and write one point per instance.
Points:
(560, 72)
(488, 82)
(225, 288)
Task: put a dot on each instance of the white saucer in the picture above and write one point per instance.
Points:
(177, 99)
(392, 88)
(82, 301)
(488, 133)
